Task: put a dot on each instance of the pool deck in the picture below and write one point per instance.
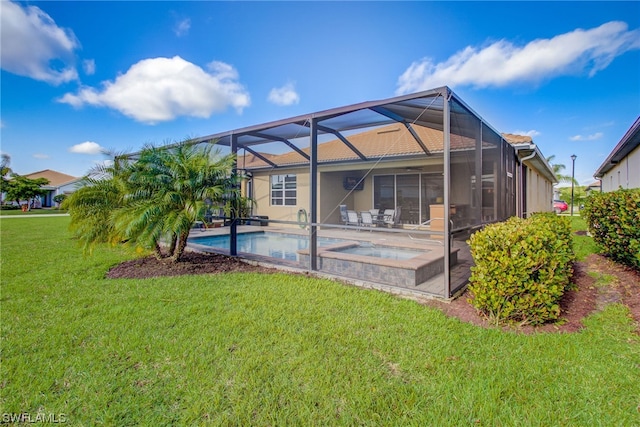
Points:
(433, 254)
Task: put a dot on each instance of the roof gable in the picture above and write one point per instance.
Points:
(629, 142)
(55, 178)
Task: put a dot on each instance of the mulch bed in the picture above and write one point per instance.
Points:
(190, 263)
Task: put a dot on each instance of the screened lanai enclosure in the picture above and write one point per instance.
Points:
(384, 193)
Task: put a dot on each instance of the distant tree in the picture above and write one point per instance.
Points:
(579, 195)
(104, 189)
(22, 188)
(557, 171)
(5, 171)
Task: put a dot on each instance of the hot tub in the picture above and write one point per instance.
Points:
(392, 265)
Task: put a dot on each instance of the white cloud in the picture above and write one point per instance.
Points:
(89, 67)
(592, 137)
(502, 63)
(87, 147)
(32, 42)
(41, 156)
(182, 27)
(530, 133)
(285, 95)
(161, 89)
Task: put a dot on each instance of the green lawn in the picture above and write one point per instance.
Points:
(250, 349)
(582, 245)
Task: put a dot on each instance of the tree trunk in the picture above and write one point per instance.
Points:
(182, 244)
(157, 251)
(172, 246)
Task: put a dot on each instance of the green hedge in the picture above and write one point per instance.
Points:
(613, 220)
(9, 207)
(522, 268)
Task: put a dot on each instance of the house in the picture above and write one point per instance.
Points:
(402, 178)
(59, 183)
(594, 187)
(402, 160)
(620, 169)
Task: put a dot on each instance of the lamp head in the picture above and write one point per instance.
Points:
(574, 157)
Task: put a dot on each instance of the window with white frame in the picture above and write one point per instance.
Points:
(283, 190)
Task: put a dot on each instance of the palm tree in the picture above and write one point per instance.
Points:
(557, 169)
(91, 206)
(5, 171)
(169, 189)
(158, 196)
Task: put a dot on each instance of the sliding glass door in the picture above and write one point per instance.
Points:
(408, 198)
(432, 194)
(412, 193)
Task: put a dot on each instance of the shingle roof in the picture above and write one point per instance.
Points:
(55, 178)
(516, 139)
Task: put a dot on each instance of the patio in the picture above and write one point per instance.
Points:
(421, 274)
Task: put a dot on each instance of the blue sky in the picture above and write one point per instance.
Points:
(78, 77)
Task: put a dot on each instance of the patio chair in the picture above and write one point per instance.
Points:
(376, 216)
(343, 214)
(352, 218)
(392, 216)
(396, 216)
(367, 219)
(388, 216)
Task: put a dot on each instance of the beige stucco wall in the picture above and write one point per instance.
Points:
(625, 174)
(331, 189)
(330, 182)
(262, 194)
(333, 195)
(539, 192)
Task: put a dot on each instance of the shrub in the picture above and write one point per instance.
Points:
(9, 207)
(613, 220)
(59, 198)
(522, 268)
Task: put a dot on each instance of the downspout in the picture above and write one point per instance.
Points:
(521, 163)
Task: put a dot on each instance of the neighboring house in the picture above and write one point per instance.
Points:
(59, 183)
(594, 187)
(621, 168)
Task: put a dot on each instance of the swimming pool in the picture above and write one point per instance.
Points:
(274, 245)
(400, 266)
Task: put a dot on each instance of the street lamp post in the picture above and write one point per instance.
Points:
(573, 169)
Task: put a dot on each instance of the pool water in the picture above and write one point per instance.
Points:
(286, 246)
(274, 245)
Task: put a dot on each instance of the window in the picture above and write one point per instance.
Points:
(283, 190)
